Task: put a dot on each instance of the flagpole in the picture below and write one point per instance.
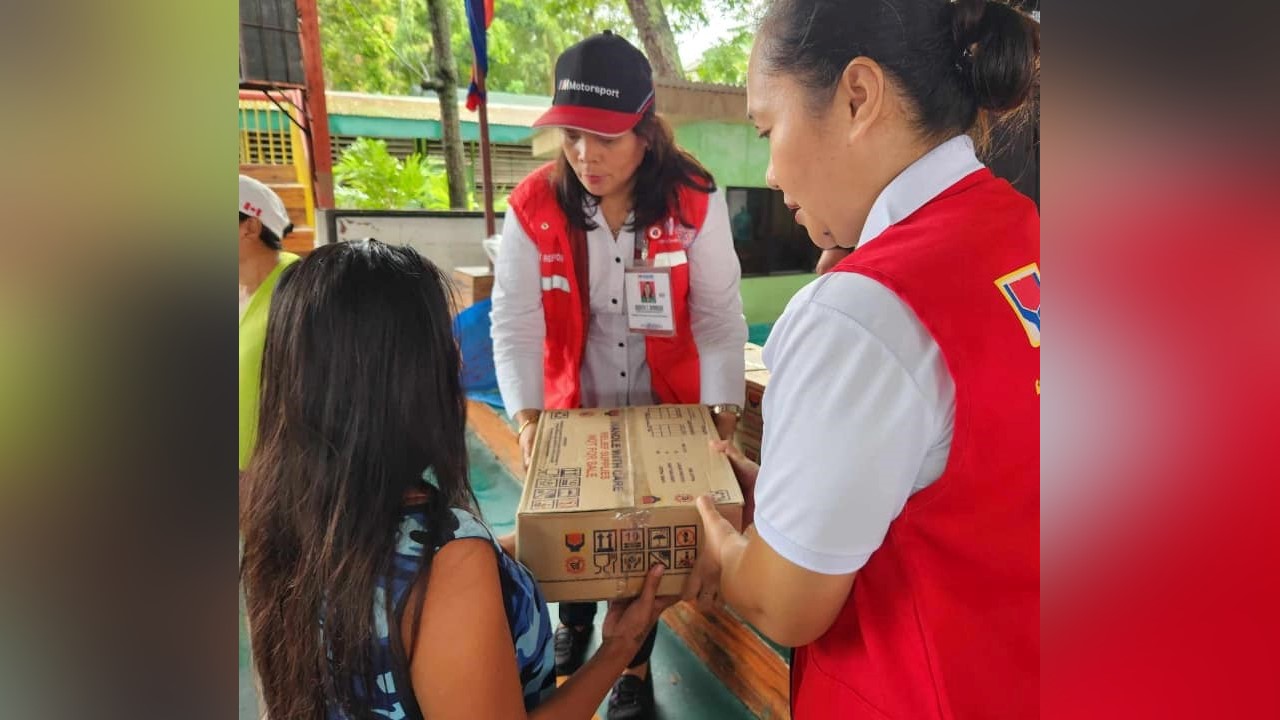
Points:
(479, 15)
(486, 165)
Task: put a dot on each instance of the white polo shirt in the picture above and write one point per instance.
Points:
(860, 406)
(615, 371)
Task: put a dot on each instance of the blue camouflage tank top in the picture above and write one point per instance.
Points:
(527, 615)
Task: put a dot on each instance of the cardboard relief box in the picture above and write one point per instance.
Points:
(610, 492)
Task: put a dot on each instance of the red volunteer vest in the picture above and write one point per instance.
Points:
(673, 362)
(944, 619)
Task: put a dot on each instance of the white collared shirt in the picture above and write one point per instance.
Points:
(615, 372)
(860, 406)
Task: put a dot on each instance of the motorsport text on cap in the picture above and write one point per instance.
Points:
(604, 85)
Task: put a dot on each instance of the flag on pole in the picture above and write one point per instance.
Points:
(479, 17)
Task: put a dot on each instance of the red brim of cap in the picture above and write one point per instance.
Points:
(592, 120)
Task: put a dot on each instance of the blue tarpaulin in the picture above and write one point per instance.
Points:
(479, 380)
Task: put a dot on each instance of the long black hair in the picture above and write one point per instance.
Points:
(964, 65)
(360, 395)
(666, 168)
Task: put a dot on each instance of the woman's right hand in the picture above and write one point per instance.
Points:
(628, 622)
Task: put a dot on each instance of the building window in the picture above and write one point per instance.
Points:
(765, 234)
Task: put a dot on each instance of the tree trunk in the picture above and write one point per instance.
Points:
(445, 83)
(655, 33)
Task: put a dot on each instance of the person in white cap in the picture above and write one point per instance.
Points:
(264, 223)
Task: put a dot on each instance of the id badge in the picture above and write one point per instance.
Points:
(648, 296)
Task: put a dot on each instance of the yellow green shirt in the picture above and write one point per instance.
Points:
(253, 336)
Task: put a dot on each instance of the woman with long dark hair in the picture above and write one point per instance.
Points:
(372, 586)
(616, 283)
(896, 533)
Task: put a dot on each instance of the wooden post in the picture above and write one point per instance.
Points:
(301, 161)
(317, 110)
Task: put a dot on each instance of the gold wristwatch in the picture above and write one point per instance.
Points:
(734, 410)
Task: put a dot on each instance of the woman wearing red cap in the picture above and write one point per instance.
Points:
(895, 542)
(622, 208)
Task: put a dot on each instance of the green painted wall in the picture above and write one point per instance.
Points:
(764, 298)
(731, 151)
(268, 120)
(738, 158)
(429, 129)
(382, 127)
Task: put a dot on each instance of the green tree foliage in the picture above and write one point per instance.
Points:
(368, 177)
(375, 46)
(726, 61)
(383, 46)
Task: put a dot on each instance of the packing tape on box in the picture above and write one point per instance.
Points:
(633, 519)
(627, 495)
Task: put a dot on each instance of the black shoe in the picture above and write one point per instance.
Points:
(571, 648)
(632, 698)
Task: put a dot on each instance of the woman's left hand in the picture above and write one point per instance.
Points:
(726, 424)
(630, 621)
(746, 472)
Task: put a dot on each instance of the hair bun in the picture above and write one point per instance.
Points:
(998, 50)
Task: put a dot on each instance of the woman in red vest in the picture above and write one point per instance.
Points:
(616, 283)
(895, 542)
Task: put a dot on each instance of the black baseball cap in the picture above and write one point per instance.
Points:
(604, 85)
